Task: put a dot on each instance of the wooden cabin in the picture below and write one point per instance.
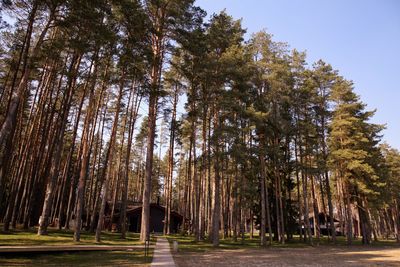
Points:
(324, 222)
(134, 218)
(157, 215)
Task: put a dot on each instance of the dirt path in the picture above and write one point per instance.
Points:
(318, 256)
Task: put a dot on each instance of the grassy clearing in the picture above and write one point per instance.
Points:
(83, 258)
(103, 258)
(187, 243)
(64, 237)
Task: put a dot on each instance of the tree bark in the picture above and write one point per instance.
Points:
(216, 196)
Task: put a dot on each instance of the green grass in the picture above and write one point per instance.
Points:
(187, 243)
(341, 241)
(64, 237)
(94, 258)
(135, 257)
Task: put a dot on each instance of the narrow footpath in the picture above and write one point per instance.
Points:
(162, 254)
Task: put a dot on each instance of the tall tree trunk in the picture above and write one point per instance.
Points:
(265, 212)
(100, 179)
(364, 219)
(196, 189)
(305, 198)
(87, 139)
(327, 185)
(82, 179)
(109, 156)
(349, 217)
(167, 218)
(301, 214)
(216, 194)
(54, 172)
(315, 210)
(8, 125)
(132, 120)
(145, 225)
(157, 39)
(67, 166)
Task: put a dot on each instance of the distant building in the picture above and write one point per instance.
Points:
(324, 224)
(134, 218)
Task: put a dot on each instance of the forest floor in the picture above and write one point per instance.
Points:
(135, 257)
(310, 256)
(249, 253)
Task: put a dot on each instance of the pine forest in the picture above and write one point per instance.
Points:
(108, 103)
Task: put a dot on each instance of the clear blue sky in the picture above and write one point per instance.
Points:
(360, 38)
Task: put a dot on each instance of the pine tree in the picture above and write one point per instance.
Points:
(224, 33)
(350, 145)
(166, 18)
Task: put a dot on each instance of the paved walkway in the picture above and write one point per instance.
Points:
(22, 249)
(162, 254)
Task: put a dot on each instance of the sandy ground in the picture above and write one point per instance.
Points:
(316, 256)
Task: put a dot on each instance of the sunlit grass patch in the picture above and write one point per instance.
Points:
(64, 237)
